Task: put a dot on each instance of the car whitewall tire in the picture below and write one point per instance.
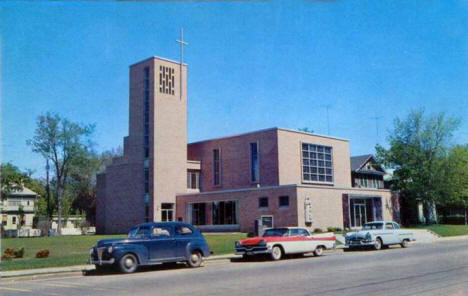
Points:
(318, 251)
(378, 244)
(404, 243)
(276, 253)
(128, 263)
(195, 259)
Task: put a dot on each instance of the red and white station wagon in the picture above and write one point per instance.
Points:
(288, 240)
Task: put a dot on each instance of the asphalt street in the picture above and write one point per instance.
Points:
(430, 269)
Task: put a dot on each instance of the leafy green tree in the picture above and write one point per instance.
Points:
(12, 178)
(62, 142)
(456, 178)
(83, 180)
(418, 146)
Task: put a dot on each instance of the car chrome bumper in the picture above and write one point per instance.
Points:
(253, 251)
(101, 262)
(360, 244)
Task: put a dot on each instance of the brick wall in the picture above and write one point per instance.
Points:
(235, 160)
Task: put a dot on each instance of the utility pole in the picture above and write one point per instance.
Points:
(376, 118)
(48, 189)
(327, 107)
(182, 43)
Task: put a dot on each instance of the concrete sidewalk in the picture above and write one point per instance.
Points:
(75, 268)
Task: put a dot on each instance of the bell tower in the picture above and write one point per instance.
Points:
(158, 132)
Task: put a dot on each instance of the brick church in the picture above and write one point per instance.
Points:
(267, 178)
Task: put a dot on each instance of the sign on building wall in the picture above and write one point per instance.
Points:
(307, 210)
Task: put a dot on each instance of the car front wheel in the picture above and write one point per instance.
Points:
(276, 253)
(378, 244)
(195, 259)
(128, 263)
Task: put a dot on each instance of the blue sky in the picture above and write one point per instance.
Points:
(252, 65)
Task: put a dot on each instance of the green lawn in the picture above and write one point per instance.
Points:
(73, 250)
(445, 229)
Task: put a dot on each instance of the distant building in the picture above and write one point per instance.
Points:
(17, 209)
(366, 172)
(268, 178)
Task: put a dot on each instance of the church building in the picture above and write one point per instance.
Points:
(267, 178)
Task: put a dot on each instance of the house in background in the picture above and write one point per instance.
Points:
(366, 172)
(17, 210)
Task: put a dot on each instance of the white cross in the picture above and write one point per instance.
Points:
(182, 43)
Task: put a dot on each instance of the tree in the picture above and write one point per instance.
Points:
(418, 146)
(12, 177)
(456, 179)
(82, 181)
(306, 130)
(62, 142)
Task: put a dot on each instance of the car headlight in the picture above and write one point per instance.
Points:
(262, 242)
(368, 236)
(238, 245)
(110, 249)
(91, 251)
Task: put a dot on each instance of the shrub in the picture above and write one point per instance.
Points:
(8, 254)
(330, 229)
(42, 254)
(318, 230)
(19, 253)
(337, 229)
(6, 258)
(250, 234)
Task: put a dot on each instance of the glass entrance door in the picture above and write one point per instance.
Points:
(359, 214)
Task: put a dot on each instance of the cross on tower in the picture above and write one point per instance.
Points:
(182, 43)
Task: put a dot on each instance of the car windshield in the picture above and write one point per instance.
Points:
(369, 226)
(276, 232)
(139, 232)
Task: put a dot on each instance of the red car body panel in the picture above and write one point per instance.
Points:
(269, 239)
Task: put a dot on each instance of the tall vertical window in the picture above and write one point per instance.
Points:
(254, 165)
(216, 167)
(317, 163)
(146, 176)
(146, 112)
(146, 99)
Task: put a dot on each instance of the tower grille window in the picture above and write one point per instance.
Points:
(166, 80)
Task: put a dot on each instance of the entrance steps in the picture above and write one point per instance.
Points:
(424, 236)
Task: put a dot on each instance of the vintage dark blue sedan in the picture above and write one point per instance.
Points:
(152, 243)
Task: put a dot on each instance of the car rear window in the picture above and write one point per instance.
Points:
(183, 230)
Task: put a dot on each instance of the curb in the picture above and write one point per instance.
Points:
(80, 268)
(89, 267)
